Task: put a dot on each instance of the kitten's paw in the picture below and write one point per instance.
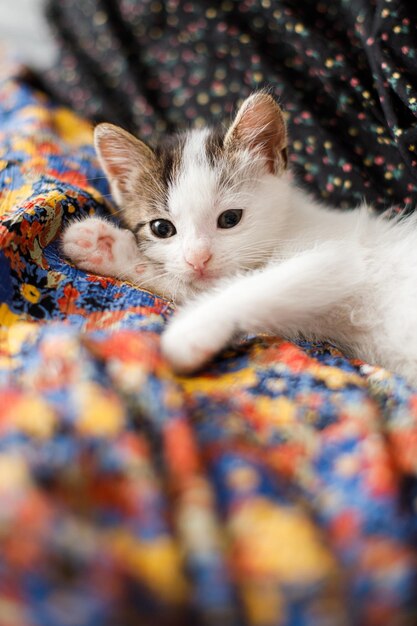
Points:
(193, 338)
(98, 246)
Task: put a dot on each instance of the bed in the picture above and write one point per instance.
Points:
(275, 487)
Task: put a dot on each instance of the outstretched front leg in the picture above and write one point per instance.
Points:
(281, 298)
(96, 245)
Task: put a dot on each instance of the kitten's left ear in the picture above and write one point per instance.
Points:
(123, 158)
(259, 126)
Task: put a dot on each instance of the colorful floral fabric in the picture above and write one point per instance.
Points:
(277, 487)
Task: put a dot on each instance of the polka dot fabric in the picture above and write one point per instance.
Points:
(344, 71)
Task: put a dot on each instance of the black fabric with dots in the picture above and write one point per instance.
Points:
(344, 70)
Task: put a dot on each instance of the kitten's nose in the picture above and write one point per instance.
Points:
(198, 259)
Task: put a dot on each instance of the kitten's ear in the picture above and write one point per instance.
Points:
(123, 158)
(259, 126)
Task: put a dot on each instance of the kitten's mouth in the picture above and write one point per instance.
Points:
(204, 277)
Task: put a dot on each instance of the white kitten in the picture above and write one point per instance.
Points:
(215, 221)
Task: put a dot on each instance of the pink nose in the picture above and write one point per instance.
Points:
(198, 259)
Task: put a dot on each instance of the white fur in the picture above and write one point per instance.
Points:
(198, 196)
(350, 278)
(290, 267)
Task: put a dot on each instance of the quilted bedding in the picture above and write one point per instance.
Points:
(277, 487)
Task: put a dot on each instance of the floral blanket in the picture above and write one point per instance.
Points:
(275, 488)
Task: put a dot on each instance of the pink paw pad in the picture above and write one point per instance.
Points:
(105, 245)
(85, 243)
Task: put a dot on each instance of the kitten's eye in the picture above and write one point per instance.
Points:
(163, 228)
(230, 218)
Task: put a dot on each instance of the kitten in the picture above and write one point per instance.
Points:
(214, 221)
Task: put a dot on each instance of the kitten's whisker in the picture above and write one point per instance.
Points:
(131, 266)
(153, 278)
(175, 290)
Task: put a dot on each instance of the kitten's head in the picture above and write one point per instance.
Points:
(204, 204)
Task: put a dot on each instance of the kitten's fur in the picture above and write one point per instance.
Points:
(289, 266)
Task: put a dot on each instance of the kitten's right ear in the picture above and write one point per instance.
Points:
(259, 127)
(122, 157)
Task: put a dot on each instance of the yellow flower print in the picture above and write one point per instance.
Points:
(34, 417)
(101, 413)
(71, 128)
(7, 317)
(12, 198)
(30, 293)
(158, 564)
